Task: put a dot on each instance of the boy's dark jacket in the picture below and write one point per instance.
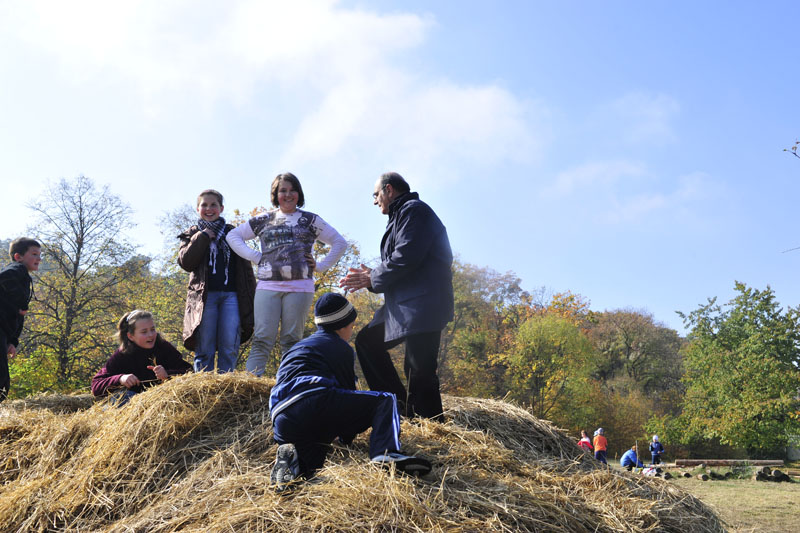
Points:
(15, 295)
(193, 257)
(318, 362)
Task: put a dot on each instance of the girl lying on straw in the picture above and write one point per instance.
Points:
(314, 401)
(143, 359)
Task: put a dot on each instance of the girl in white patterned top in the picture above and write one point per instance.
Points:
(286, 265)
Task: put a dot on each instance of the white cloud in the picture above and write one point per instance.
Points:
(624, 192)
(396, 119)
(680, 202)
(339, 67)
(594, 177)
(638, 118)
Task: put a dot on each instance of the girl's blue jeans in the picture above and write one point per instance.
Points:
(218, 333)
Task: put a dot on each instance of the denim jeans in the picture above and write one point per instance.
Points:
(218, 332)
(290, 309)
(121, 397)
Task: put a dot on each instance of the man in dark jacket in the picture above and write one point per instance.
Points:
(416, 281)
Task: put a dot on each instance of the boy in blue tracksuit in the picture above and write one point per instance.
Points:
(315, 400)
(656, 450)
(629, 460)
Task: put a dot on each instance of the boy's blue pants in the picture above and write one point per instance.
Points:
(312, 423)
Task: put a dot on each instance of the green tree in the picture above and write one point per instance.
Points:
(549, 352)
(743, 372)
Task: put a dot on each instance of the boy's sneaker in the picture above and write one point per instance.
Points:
(415, 466)
(286, 467)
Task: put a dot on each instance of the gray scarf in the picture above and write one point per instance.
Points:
(218, 244)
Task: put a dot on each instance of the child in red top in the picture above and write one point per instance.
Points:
(585, 443)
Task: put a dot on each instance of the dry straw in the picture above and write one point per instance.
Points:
(195, 453)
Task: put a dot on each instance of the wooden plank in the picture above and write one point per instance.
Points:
(727, 462)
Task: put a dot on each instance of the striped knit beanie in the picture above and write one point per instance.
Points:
(332, 311)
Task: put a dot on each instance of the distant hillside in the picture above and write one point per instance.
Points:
(195, 454)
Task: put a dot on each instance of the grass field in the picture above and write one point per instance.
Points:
(750, 506)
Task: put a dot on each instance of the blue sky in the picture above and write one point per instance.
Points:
(627, 151)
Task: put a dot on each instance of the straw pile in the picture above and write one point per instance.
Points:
(195, 454)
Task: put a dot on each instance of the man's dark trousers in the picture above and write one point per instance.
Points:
(421, 362)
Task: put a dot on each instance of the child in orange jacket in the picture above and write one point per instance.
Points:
(600, 446)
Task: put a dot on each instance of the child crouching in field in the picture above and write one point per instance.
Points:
(629, 460)
(314, 401)
(143, 359)
(219, 304)
(16, 289)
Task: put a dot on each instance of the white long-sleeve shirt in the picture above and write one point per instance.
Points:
(285, 238)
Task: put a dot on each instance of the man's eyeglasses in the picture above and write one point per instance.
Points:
(376, 193)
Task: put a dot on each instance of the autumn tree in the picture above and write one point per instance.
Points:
(548, 352)
(489, 306)
(743, 372)
(636, 352)
(82, 229)
(151, 285)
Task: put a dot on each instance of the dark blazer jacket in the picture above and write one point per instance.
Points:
(415, 274)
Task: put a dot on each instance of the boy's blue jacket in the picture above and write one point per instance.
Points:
(15, 295)
(323, 360)
(656, 448)
(629, 459)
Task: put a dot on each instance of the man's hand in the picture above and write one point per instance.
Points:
(356, 278)
(159, 371)
(129, 381)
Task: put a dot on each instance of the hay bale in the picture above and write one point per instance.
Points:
(195, 454)
(56, 403)
(703, 477)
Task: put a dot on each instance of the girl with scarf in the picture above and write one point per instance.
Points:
(142, 360)
(219, 303)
